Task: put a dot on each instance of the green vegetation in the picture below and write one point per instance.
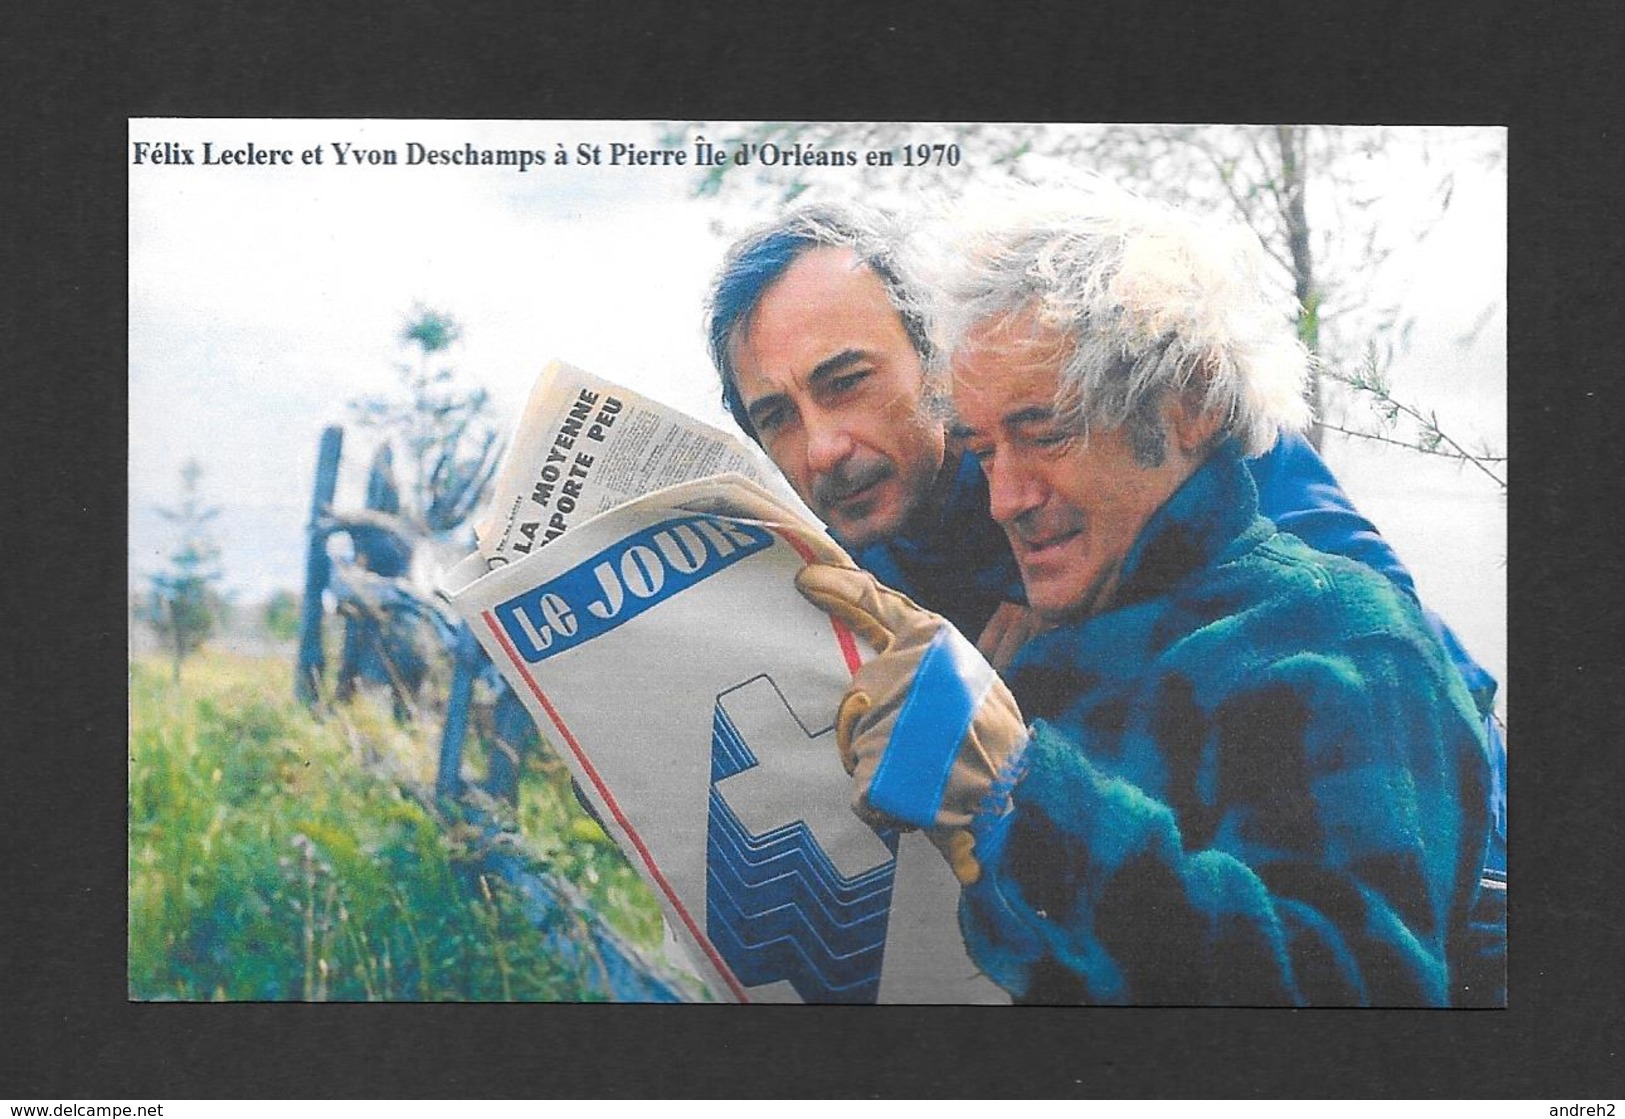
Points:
(280, 616)
(186, 606)
(274, 856)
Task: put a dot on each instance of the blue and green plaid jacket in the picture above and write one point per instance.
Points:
(1256, 779)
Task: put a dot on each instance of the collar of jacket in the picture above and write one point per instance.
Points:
(961, 534)
(1212, 516)
(961, 524)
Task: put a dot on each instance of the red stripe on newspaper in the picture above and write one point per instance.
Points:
(843, 635)
(615, 810)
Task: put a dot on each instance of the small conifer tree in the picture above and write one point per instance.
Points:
(185, 605)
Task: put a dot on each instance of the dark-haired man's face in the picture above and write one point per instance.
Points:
(836, 392)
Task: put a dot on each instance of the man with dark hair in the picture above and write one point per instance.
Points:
(822, 363)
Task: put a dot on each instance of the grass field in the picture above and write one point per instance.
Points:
(273, 855)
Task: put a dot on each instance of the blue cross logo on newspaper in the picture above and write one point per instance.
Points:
(798, 892)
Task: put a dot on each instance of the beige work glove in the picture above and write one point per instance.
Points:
(927, 730)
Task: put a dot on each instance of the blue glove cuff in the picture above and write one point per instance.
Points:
(950, 684)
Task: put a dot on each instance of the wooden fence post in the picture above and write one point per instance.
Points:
(318, 569)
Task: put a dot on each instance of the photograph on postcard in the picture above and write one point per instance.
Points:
(817, 562)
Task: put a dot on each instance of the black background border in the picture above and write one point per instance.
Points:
(78, 72)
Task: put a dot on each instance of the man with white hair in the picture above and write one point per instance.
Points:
(1233, 769)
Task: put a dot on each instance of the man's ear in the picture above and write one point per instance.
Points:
(1194, 424)
(1193, 421)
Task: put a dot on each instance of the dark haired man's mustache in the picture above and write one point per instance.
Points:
(850, 478)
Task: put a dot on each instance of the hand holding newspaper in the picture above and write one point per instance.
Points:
(635, 584)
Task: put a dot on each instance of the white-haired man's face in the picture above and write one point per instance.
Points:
(1071, 505)
(837, 395)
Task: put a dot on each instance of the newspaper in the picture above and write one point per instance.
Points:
(663, 649)
(585, 445)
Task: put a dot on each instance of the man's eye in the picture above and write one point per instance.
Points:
(848, 381)
(768, 420)
(1051, 439)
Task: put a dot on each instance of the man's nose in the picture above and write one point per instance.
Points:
(1012, 490)
(828, 443)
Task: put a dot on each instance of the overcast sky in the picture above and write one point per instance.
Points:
(263, 298)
